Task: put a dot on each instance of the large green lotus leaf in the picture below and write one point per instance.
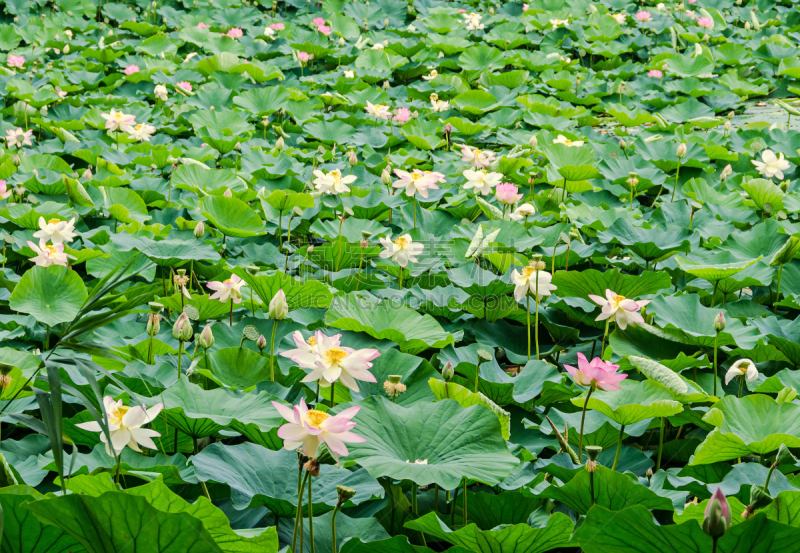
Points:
(633, 530)
(489, 510)
(415, 372)
(696, 511)
(785, 508)
(366, 528)
(689, 66)
(456, 442)
(649, 244)
(330, 131)
(690, 322)
(635, 402)
(159, 496)
(286, 201)
(116, 521)
(53, 295)
(612, 490)
(240, 368)
(479, 58)
(202, 413)
(712, 272)
(124, 204)
(386, 320)
(25, 533)
(207, 309)
(466, 398)
(534, 377)
(231, 216)
(262, 101)
(516, 538)
(169, 252)
(579, 284)
(572, 163)
(222, 120)
(754, 424)
(299, 293)
(259, 476)
(763, 192)
(783, 334)
(199, 178)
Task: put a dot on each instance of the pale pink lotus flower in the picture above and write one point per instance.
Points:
(706, 22)
(530, 281)
(625, 311)
(228, 193)
(435, 176)
(692, 1)
(131, 69)
(317, 21)
(142, 132)
(56, 230)
(20, 138)
(416, 181)
(481, 182)
(506, 193)
(325, 30)
(402, 115)
(235, 33)
(186, 86)
(378, 110)
(15, 61)
(334, 362)
(47, 255)
(227, 290)
(125, 426)
(305, 354)
(118, 121)
(619, 18)
(277, 26)
(402, 250)
(655, 73)
(643, 16)
(308, 428)
(202, 25)
(597, 374)
(303, 57)
(719, 499)
(475, 157)
(4, 190)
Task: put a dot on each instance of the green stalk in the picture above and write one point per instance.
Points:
(272, 352)
(591, 487)
(333, 527)
(333, 389)
(453, 508)
(528, 320)
(415, 212)
(298, 521)
(310, 518)
(536, 323)
(583, 418)
(119, 462)
(619, 447)
(466, 512)
(603, 341)
(778, 292)
(674, 188)
(660, 444)
(716, 341)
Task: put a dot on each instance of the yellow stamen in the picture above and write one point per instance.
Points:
(528, 271)
(53, 221)
(115, 416)
(227, 281)
(52, 250)
(335, 355)
(316, 418)
(618, 299)
(401, 242)
(312, 341)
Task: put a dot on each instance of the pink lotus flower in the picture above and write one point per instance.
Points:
(20, 138)
(416, 181)
(202, 25)
(228, 290)
(15, 61)
(325, 30)
(235, 33)
(131, 69)
(4, 191)
(506, 193)
(718, 527)
(655, 73)
(597, 374)
(303, 57)
(49, 255)
(692, 1)
(118, 121)
(402, 115)
(317, 21)
(308, 428)
(706, 22)
(643, 16)
(186, 86)
(277, 26)
(624, 310)
(477, 158)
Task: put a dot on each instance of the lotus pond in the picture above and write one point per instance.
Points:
(399, 276)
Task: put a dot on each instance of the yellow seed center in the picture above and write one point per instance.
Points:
(335, 355)
(315, 418)
(417, 176)
(53, 221)
(312, 341)
(115, 416)
(337, 175)
(227, 281)
(52, 250)
(618, 299)
(743, 367)
(528, 271)
(401, 242)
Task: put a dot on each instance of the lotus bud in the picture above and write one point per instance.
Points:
(731, 114)
(681, 151)
(386, 175)
(278, 308)
(341, 41)
(717, 517)
(345, 494)
(448, 130)
(386, 22)
(719, 322)
(199, 230)
(727, 125)
(746, 25)
(182, 329)
(726, 172)
(279, 144)
(352, 159)
(261, 343)
(649, 473)
(228, 193)
(17, 160)
(533, 142)
(153, 324)
(448, 372)
(386, 85)
(88, 173)
(206, 338)
(66, 48)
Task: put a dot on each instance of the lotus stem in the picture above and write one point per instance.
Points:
(769, 475)
(591, 487)
(358, 275)
(583, 418)
(119, 462)
(280, 228)
(619, 447)
(333, 390)
(778, 291)
(674, 188)
(310, 517)
(339, 253)
(453, 508)
(400, 279)
(741, 385)
(272, 352)
(415, 212)
(660, 444)
(716, 342)
(298, 520)
(333, 528)
(714, 545)
(528, 320)
(180, 354)
(231, 315)
(603, 341)
(466, 512)
(436, 498)
(536, 324)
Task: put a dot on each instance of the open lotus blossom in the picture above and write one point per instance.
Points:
(530, 281)
(596, 374)
(317, 21)
(185, 86)
(378, 110)
(771, 165)
(125, 426)
(5, 191)
(142, 132)
(47, 255)
(235, 33)
(561, 139)
(131, 69)
(625, 311)
(506, 193)
(473, 21)
(160, 92)
(481, 182)
(277, 26)
(118, 121)
(744, 368)
(655, 73)
(415, 182)
(438, 106)
(477, 158)
(227, 290)
(402, 250)
(15, 61)
(56, 230)
(334, 362)
(402, 115)
(619, 17)
(643, 16)
(556, 23)
(432, 75)
(332, 183)
(18, 137)
(348, 74)
(523, 211)
(325, 30)
(305, 354)
(706, 22)
(202, 25)
(308, 428)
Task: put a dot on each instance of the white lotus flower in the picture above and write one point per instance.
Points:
(416, 182)
(378, 110)
(525, 210)
(142, 132)
(47, 255)
(402, 250)
(56, 230)
(771, 165)
(567, 142)
(332, 183)
(228, 290)
(125, 426)
(481, 181)
(744, 368)
(526, 282)
(118, 121)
